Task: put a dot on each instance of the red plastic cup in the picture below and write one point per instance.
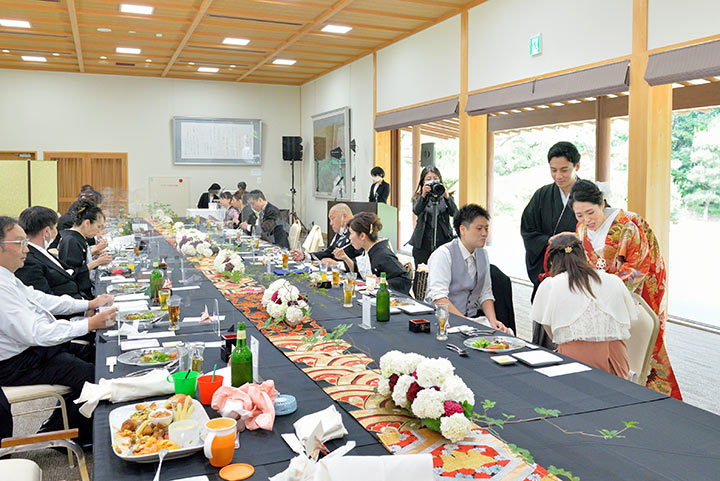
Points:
(207, 387)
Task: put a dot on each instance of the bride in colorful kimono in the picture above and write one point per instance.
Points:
(622, 243)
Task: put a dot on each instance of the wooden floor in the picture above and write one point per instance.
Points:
(694, 354)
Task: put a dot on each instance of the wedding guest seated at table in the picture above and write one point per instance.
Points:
(459, 271)
(66, 220)
(586, 312)
(238, 201)
(43, 271)
(267, 217)
(73, 249)
(33, 341)
(232, 214)
(378, 256)
(212, 195)
(339, 216)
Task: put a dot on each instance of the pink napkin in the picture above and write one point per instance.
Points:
(252, 403)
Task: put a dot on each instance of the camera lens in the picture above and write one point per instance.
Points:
(438, 189)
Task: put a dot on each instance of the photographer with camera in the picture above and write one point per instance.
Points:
(433, 205)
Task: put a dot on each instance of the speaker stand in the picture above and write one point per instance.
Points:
(293, 213)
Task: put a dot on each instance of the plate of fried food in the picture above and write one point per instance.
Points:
(139, 431)
(494, 343)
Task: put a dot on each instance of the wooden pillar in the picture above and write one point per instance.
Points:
(416, 151)
(650, 115)
(490, 171)
(602, 141)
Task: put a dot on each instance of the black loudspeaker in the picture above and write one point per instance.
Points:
(427, 154)
(292, 148)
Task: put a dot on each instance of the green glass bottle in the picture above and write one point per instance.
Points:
(382, 306)
(128, 228)
(156, 281)
(241, 359)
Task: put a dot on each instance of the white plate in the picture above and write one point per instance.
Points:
(514, 343)
(538, 358)
(119, 415)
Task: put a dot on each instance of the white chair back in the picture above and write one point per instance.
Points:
(643, 334)
(294, 237)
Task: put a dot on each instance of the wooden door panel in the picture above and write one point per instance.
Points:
(71, 175)
(109, 177)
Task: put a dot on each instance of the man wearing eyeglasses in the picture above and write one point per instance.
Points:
(31, 338)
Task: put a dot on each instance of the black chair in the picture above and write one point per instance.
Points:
(502, 291)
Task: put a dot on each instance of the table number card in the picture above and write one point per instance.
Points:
(255, 350)
(366, 318)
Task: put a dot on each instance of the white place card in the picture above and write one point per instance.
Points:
(142, 344)
(563, 369)
(255, 351)
(186, 288)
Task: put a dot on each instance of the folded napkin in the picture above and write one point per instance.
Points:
(313, 241)
(338, 467)
(329, 420)
(122, 389)
(251, 403)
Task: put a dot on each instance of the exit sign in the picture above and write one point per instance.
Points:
(536, 45)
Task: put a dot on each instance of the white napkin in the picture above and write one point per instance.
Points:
(140, 344)
(154, 383)
(330, 420)
(314, 240)
(563, 369)
(131, 297)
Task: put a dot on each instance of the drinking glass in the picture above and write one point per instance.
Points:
(442, 313)
(335, 276)
(285, 259)
(348, 291)
(323, 271)
(164, 295)
(351, 276)
(174, 313)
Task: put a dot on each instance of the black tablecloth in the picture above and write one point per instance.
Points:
(677, 441)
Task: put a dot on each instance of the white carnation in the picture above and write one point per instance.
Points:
(433, 372)
(389, 362)
(456, 427)
(188, 250)
(276, 285)
(276, 311)
(455, 389)
(410, 362)
(401, 388)
(239, 267)
(294, 315)
(384, 387)
(429, 403)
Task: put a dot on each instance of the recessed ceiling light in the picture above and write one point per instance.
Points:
(132, 31)
(336, 29)
(158, 35)
(148, 60)
(191, 63)
(103, 57)
(103, 62)
(104, 29)
(233, 66)
(208, 69)
(56, 54)
(6, 51)
(14, 23)
(235, 41)
(31, 58)
(283, 61)
(130, 50)
(141, 9)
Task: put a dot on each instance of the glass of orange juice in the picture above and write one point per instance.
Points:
(220, 441)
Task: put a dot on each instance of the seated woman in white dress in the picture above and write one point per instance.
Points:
(586, 312)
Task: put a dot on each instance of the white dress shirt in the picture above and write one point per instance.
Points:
(26, 317)
(440, 273)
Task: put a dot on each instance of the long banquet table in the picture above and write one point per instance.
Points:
(676, 441)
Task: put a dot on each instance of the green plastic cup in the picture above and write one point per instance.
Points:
(185, 385)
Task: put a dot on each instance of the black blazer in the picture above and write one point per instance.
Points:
(44, 275)
(204, 201)
(73, 252)
(339, 241)
(444, 231)
(381, 194)
(383, 259)
(271, 227)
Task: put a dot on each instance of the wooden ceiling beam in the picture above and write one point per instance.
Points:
(196, 21)
(432, 3)
(72, 13)
(327, 14)
(377, 13)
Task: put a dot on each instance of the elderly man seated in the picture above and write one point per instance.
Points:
(32, 349)
(340, 215)
(459, 271)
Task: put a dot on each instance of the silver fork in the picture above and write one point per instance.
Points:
(458, 350)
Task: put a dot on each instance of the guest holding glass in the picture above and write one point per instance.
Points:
(380, 190)
(378, 257)
(74, 251)
(586, 312)
(459, 271)
(622, 243)
(433, 205)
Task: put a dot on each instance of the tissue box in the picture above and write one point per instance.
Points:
(419, 325)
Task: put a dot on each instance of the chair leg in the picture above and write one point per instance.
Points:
(66, 425)
(71, 446)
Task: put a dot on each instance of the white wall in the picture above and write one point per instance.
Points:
(574, 33)
(349, 86)
(47, 111)
(422, 67)
(670, 21)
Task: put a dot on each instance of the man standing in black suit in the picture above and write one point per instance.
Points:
(42, 270)
(339, 215)
(267, 216)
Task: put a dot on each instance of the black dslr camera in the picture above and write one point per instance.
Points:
(437, 189)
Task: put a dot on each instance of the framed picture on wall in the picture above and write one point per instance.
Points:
(331, 154)
(211, 141)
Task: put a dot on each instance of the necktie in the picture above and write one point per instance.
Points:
(471, 267)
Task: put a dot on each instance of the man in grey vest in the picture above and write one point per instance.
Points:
(459, 271)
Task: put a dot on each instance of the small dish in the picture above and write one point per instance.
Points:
(161, 417)
(504, 360)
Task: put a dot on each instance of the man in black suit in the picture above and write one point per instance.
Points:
(42, 270)
(339, 215)
(267, 216)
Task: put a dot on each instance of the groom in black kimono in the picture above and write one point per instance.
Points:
(548, 214)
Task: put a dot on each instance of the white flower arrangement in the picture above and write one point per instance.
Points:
(284, 303)
(228, 263)
(193, 242)
(430, 390)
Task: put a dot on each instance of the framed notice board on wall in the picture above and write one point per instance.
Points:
(205, 141)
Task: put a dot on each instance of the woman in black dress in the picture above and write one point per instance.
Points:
(379, 190)
(73, 250)
(378, 257)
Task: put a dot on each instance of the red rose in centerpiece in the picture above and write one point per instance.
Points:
(392, 381)
(413, 391)
(452, 407)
